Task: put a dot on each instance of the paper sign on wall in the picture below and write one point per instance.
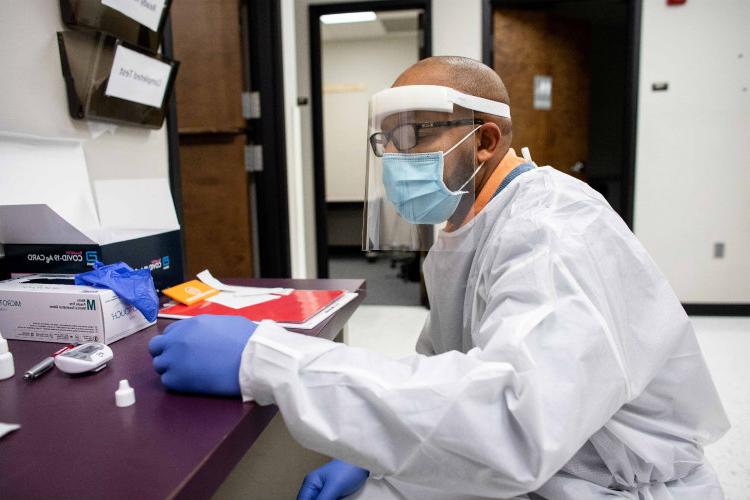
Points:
(542, 92)
(138, 78)
(146, 12)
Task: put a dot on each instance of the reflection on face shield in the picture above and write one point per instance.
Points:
(414, 184)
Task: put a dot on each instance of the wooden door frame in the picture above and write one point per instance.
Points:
(316, 91)
(631, 77)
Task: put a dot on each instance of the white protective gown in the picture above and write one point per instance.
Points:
(556, 360)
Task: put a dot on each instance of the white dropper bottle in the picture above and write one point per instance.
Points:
(7, 368)
(124, 395)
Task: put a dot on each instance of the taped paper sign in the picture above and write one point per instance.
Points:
(146, 12)
(542, 92)
(138, 78)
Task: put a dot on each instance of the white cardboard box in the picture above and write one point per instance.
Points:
(56, 218)
(45, 308)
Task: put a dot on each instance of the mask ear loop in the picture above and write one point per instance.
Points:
(462, 140)
(470, 178)
(460, 190)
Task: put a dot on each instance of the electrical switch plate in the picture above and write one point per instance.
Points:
(719, 250)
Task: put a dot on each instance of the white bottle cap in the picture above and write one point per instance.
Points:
(7, 368)
(124, 395)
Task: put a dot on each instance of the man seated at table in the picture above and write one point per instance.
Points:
(556, 362)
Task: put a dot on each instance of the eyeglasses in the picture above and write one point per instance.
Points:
(404, 137)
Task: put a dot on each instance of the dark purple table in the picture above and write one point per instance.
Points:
(75, 443)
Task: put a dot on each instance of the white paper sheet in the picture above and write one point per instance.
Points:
(235, 301)
(136, 203)
(138, 78)
(51, 172)
(206, 277)
(7, 428)
(146, 12)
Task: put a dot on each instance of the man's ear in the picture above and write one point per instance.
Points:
(489, 140)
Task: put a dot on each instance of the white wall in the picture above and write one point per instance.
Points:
(693, 152)
(33, 99)
(457, 28)
(353, 70)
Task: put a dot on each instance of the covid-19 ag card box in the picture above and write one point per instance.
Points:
(50, 308)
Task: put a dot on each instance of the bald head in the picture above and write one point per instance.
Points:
(461, 73)
(465, 75)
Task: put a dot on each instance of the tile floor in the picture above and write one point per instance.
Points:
(393, 330)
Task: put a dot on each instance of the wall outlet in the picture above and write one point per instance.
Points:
(719, 250)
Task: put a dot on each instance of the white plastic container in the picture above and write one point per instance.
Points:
(7, 367)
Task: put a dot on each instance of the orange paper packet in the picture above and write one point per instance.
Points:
(190, 292)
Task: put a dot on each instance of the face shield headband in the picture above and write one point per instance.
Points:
(428, 98)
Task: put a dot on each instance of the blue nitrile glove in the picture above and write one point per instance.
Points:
(202, 354)
(135, 288)
(334, 480)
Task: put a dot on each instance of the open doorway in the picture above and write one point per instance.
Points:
(358, 49)
(571, 72)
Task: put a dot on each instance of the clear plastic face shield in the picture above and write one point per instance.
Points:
(421, 163)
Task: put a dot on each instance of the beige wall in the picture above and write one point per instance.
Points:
(457, 28)
(33, 99)
(693, 158)
(353, 70)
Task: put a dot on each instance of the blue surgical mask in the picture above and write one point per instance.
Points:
(414, 184)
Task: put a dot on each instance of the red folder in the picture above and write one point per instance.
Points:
(297, 307)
